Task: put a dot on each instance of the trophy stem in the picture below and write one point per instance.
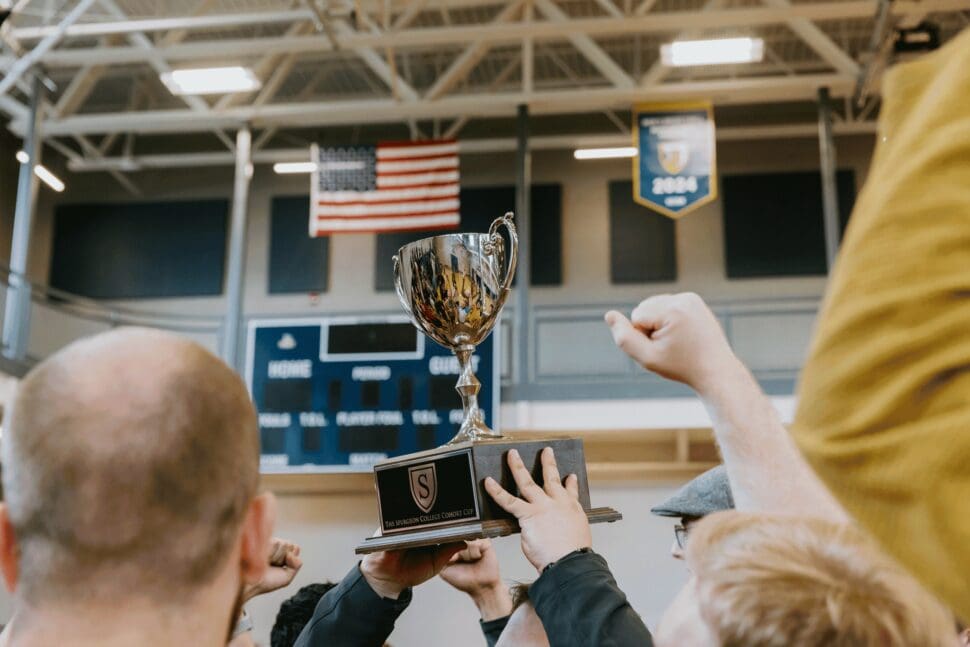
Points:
(473, 425)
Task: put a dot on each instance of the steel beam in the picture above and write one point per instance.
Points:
(455, 127)
(465, 62)
(431, 37)
(528, 54)
(25, 62)
(610, 8)
(828, 167)
(378, 64)
(155, 59)
(658, 71)
(16, 318)
(523, 223)
(223, 20)
(408, 15)
(92, 152)
(215, 21)
(308, 114)
(819, 41)
(84, 81)
(587, 47)
(273, 69)
(465, 147)
(14, 108)
(81, 85)
(644, 7)
(235, 274)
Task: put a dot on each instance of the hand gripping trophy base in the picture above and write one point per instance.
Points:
(473, 427)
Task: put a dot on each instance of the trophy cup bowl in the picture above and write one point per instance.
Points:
(453, 288)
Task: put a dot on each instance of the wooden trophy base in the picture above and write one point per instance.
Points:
(438, 496)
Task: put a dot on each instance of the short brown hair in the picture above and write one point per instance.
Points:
(773, 581)
(520, 594)
(130, 459)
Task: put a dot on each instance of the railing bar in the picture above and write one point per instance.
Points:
(47, 295)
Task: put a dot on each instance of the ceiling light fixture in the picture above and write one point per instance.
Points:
(712, 52)
(49, 178)
(211, 80)
(284, 168)
(604, 153)
(42, 173)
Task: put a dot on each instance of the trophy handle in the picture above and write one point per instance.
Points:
(493, 236)
(405, 302)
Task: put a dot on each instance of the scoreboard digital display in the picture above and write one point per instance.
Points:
(341, 393)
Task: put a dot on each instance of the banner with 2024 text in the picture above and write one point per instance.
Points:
(675, 170)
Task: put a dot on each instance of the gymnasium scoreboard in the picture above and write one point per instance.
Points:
(341, 393)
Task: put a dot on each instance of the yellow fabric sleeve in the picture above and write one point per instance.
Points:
(884, 399)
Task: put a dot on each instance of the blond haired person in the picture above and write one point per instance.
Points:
(771, 581)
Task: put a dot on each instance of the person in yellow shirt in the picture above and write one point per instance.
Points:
(884, 401)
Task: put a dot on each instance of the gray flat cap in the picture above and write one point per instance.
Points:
(709, 492)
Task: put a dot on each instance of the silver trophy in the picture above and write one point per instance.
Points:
(453, 287)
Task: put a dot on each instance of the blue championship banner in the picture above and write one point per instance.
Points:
(675, 170)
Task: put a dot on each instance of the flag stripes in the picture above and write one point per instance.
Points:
(399, 186)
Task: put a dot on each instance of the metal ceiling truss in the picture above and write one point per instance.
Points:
(336, 62)
(465, 146)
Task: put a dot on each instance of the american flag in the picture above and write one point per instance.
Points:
(395, 186)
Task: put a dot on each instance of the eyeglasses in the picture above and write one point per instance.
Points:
(680, 534)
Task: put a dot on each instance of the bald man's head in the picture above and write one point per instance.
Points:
(129, 462)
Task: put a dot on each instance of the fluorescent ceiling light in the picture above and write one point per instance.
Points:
(712, 52)
(42, 173)
(294, 167)
(211, 80)
(48, 178)
(604, 153)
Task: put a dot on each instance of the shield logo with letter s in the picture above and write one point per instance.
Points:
(424, 485)
(673, 156)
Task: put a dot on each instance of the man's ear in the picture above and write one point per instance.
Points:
(8, 550)
(257, 534)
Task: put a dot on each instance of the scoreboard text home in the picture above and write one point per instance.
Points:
(340, 393)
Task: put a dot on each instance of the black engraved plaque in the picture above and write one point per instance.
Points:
(434, 491)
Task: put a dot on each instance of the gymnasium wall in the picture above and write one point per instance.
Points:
(327, 525)
(585, 226)
(586, 262)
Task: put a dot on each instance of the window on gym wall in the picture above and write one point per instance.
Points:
(140, 250)
(643, 247)
(297, 262)
(479, 207)
(773, 222)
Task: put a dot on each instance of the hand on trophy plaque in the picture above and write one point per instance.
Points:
(453, 288)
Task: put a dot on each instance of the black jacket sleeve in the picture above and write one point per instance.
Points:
(493, 629)
(351, 614)
(580, 605)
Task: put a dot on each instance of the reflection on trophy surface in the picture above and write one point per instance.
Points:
(453, 287)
